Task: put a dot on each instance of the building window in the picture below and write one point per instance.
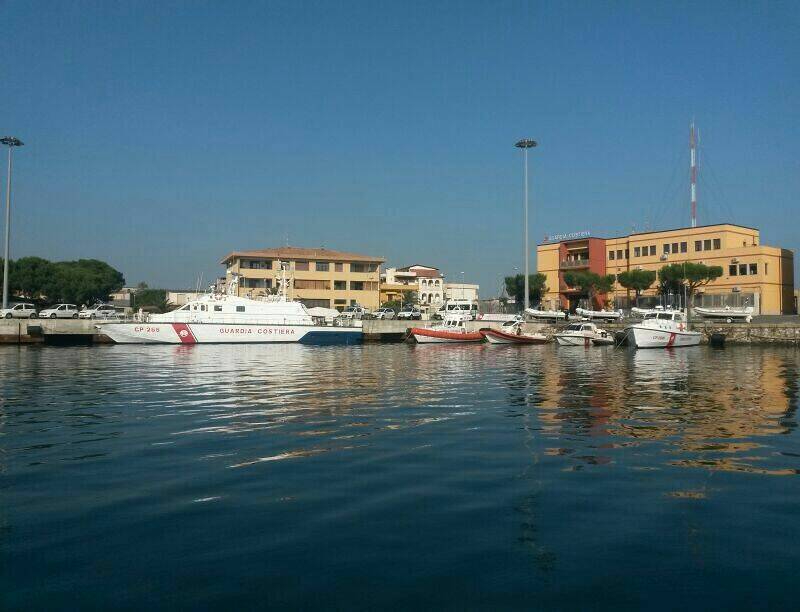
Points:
(627, 254)
(302, 266)
(683, 247)
(341, 285)
(766, 269)
(674, 247)
(356, 285)
(619, 254)
(742, 269)
(316, 303)
(666, 249)
(240, 309)
(363, 267)
(337, 267)
(322, 266)
(322, 285)
(717, 244)
(637, 251)
(698, 245)
(753, 269)
(652, 249)
(707, 244)
(732, 270)
(610, 256)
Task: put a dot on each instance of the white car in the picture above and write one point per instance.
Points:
(384, 313)
(98, 311)
(19, 311)
(60, 311)
(411, 313)
(354, 312)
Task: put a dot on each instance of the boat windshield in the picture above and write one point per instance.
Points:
(575, 327)
(665, 315)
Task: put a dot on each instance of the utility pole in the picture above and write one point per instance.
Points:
(526, 144)
(10, 142)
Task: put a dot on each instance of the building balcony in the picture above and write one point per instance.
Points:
(573, 264)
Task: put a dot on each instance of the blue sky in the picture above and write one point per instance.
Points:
(162, 135)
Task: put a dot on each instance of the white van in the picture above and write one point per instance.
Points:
(465, 307)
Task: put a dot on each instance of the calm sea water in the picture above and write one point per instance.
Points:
(398, 476)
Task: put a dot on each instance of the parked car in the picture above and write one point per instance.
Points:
(98, 311)
(60, 311)
(410, 313)
(384, 313)
(19, 311)
(354, 312)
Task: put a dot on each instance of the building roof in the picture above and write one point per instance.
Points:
(288, 253)
(661, 231)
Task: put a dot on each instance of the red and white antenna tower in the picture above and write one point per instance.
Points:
(693, 175)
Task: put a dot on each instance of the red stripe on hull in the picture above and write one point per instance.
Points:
(184, 333)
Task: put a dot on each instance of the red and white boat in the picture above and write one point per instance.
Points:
(452, 329)
(511, 333)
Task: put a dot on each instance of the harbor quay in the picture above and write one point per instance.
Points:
(763, 331)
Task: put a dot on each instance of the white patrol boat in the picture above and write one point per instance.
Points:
(662, 329)
(228, 318)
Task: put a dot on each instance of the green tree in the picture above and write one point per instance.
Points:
(689, 275)
(28, 276)
(515, 287)
(151, 299)
(637, 281)
(83, 282)
(589, 284)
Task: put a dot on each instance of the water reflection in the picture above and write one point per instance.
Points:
(712, 408)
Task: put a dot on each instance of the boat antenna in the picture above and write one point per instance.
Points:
(693, 170)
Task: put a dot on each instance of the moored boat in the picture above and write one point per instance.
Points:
(511, 333)
(729, 314)
(663, 329)
(452, 329)
(604, 315)
(228, 318)
(579, 334)
(548, 315)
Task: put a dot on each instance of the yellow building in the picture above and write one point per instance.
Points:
(753, 274)
(316, 277)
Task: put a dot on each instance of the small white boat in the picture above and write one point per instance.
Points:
(727, 313)
(553, 315)
(579, 334)
(662, 329)
(646, 311)
(604, 315)
(604, 338)
(452, 329)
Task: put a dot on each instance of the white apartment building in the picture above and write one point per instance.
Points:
(427, 281)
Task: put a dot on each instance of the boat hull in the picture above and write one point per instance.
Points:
(497, 337)
(573, 340)
(226, 333)
(430, 336)
(645, 337)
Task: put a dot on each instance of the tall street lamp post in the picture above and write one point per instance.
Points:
(526, 144)
(10, 142)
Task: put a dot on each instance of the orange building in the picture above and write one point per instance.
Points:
(753, 274)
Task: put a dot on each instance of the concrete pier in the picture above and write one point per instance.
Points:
(82, 331)
(55, 331)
